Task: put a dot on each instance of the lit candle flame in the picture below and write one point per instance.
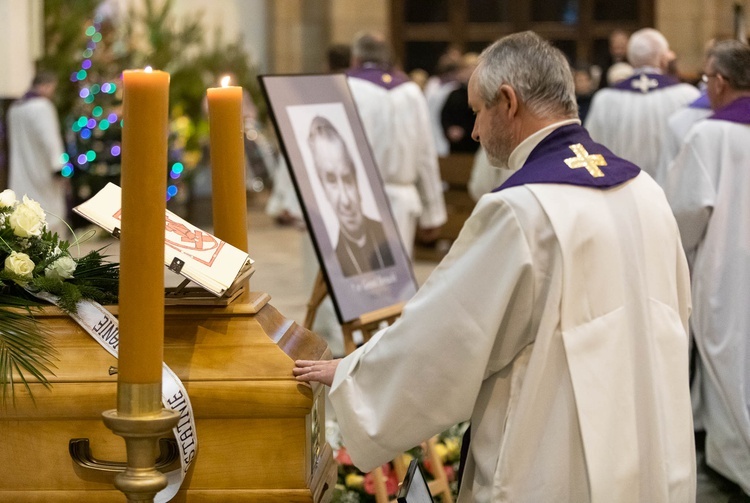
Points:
(148, 69)
(225, 81)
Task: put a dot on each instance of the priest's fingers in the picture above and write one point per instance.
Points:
(317, 371)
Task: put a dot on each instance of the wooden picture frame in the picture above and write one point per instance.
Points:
(363, 261)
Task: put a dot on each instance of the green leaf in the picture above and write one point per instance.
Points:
(26, 352)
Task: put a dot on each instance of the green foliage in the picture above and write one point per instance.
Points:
(35, 260)
(25, 350)
(180, 47)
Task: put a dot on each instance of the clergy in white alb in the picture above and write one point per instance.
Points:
(707, 187)
(396, 121)
(36, 148)
(557, 323)
(678, 126)
(631, 117)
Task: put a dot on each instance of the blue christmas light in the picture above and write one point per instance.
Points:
(85, 134)
(172, 190)
(115, 150)
(86, 64)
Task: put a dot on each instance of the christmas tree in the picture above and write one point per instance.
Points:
(94, 126)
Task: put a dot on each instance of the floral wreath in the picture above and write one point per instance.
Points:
(33, 260)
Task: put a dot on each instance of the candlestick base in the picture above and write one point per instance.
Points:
(141, 480)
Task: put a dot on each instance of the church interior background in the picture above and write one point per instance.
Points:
(200, 41)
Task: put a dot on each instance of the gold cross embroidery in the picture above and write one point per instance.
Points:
(644, 84)
(585, 160)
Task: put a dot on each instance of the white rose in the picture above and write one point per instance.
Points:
(62, 268)
(7, 198)
(19, 263)
(28, 219)
(34, 206)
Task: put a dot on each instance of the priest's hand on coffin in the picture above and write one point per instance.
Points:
(321, 371)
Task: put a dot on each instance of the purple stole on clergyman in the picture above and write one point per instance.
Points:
(29, 95)
(701, 102)
(646, 82)
(569, 156)
(737, 111)
(386, 78)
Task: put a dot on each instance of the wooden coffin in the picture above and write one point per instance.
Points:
(261, 435)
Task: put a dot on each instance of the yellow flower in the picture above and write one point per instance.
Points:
(453, 446)
(355, 481)
(441, 450)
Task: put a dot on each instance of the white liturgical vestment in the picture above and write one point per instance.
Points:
(396, 121)
(557, 324)
(707, 186)
(632, 121)
(36, 150)
(678, 126)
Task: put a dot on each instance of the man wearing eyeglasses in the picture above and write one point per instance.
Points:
(707, 187)
(631, 117)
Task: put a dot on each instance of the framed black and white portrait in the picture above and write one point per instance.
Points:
(363, 260)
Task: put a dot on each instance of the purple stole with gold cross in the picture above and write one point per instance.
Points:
(569, 156)
(646, 82)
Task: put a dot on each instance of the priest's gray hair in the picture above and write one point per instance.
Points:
(647, 47)
(538, 72)
(731, 59)
(371, 47)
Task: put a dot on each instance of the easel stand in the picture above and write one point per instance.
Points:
(368, 324)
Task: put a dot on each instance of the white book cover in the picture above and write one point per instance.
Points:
(189, 251)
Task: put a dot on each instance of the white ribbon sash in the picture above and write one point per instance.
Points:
(104, 328)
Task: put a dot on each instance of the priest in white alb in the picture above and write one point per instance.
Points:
(707, 187)
(556, 324)
(631, 117)
(396, 120)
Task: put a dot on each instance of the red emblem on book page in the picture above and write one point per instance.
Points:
(184, 239)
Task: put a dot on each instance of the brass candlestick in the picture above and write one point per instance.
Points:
(141, 421)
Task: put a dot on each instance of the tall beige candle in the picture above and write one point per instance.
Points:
(144, 184)
(228, 164)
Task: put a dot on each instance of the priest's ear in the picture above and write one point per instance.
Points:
(508, 100)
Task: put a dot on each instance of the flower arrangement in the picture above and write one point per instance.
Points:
(353, 486)
(32, 260)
